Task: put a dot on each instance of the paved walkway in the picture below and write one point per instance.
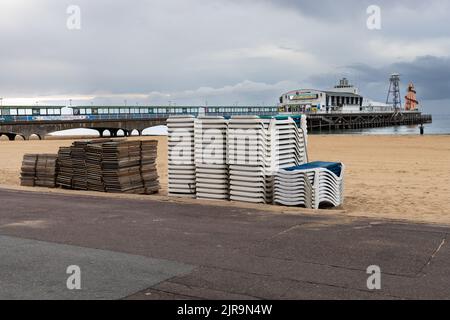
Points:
(143, 249)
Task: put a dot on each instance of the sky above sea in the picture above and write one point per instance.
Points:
(219, 52)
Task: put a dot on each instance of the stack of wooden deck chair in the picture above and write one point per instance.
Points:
(39, 170)
(78, 156)
(211, 168)
(107, 165)
(46, 170)
(181, 166)
(310, 185)
(94, 158)
(28, 170)
(65, 173)
(121, 167)
(149, 173)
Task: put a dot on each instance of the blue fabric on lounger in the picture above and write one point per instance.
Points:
(334, 167)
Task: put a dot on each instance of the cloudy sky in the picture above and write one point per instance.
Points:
(222, 52)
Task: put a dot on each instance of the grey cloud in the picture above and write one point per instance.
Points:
(220, 51)
(430, 75)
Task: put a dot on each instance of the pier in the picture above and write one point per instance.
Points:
(345, 121)
(28, 121)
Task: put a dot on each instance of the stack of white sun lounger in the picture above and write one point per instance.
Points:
(181, 156)
(288, 143)
(310, 185)
(211, 168)
(258, 147)
(249, 157)
(304, 129)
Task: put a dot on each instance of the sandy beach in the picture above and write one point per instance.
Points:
(397, 177)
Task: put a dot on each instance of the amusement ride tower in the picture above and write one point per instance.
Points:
(411, 100)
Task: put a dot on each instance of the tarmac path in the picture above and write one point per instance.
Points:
(146, 249)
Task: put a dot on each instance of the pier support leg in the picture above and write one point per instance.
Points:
(101, 132)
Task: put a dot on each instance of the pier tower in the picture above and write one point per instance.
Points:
(393, 96)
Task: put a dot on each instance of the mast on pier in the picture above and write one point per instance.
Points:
(393, 97)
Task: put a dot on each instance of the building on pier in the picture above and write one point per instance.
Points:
(343, 98)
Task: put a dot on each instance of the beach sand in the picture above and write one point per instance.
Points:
(396, 177)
